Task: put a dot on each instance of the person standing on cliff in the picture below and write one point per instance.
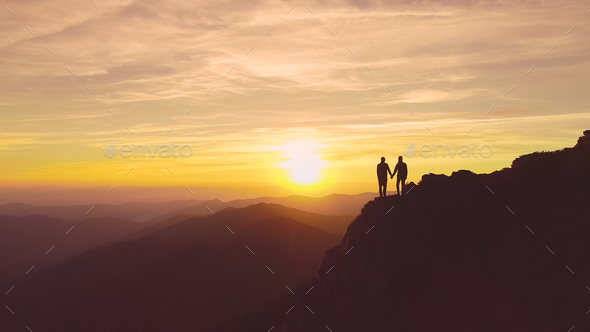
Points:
(382, 170)
(402, 174)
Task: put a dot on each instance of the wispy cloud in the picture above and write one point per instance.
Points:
(150, 62)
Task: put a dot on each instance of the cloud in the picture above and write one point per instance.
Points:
(151, 62)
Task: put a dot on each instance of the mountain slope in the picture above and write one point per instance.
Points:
(332, 224)
(25, 242)
(191, 275)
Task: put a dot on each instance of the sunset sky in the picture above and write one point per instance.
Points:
(308, 109)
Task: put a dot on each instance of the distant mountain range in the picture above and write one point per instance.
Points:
(335, 204)
(130, 211)
(63, 196)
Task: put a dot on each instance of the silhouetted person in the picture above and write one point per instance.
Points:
(382, 170)
(402, 174)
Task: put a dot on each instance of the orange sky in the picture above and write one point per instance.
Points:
(298, 88)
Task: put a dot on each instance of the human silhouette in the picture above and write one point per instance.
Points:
(382, 171)
(402, 174)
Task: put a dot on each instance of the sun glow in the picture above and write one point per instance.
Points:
(303, 162)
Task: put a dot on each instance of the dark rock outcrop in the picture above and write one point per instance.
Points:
(465, 252)
(505, 251)
(584, 141)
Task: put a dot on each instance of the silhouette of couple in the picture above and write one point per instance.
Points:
(402, 174)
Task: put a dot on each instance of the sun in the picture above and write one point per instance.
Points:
(303, 162)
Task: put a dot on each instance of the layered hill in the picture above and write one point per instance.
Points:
(42, 241)
(191, 274)
(344, 206)
(506, 251)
